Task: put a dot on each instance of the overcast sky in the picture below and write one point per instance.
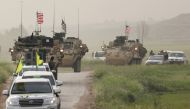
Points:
(91, 11)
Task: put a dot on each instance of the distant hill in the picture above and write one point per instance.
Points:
(177, 28)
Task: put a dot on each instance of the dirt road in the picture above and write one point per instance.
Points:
(75, 91)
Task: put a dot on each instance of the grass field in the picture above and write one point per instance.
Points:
(141, 87)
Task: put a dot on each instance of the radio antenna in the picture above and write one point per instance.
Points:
(53, 17)
(21, 6)
(78, 24)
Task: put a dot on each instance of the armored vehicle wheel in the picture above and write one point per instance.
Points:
(77, 65)
(135, 61)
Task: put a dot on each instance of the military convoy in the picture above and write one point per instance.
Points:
(122, 51)
(67, 52)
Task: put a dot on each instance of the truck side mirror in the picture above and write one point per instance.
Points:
(57, 90)
(59, 83)
(53, 71)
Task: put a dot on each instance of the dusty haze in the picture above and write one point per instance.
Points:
(100, 20)
(91, 11)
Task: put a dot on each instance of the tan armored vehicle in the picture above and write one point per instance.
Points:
(122, 51)
(66, 52)
(28, 46)
(73, 52)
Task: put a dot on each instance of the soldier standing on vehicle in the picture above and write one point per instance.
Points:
(151, 53)
(53, 67)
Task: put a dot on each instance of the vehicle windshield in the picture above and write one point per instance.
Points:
(33, 69)
(176, 55)
(31, 87)
(68, 45)
(99, 54)
(46, 77)
(156, 58)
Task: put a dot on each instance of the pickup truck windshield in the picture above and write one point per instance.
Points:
(156, 58)
(99, 54)
(31, 87)
(176, 55)
(34, 69)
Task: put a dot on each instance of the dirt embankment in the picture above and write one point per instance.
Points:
(5, 86)
(87, 101)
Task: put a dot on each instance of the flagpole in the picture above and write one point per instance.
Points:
(142, 32)
(19, 62)
(16, 69)
(37, 22)
(36, 61)
(40, 27)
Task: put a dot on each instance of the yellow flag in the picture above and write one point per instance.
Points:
(38, 60)
(19, 67)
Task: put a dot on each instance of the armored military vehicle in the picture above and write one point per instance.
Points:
(67, 52)
(122, 51)
(73, 52)
(29, 45)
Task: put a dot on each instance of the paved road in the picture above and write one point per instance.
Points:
(73, 88)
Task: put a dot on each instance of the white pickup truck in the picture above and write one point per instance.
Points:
(32, 94)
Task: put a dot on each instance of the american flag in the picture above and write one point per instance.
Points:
(127, 29)
(64, 26)
(40, 18)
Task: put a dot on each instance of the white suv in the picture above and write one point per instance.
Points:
(32, 94)
(30, 68)
(42, 74)
(177, 57)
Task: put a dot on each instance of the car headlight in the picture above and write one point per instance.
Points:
(49, 101)
(12, 102)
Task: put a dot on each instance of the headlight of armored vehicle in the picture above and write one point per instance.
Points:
(81, 46)
(13, 102)
(12, 50)
(61, 50)
(49, 101)
(136, 48)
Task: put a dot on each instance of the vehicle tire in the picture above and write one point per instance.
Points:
(59, 107)
(59, 104)
(77, 66)
(135, 61)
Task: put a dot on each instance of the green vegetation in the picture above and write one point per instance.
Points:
(141, 87)
(5, 71)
